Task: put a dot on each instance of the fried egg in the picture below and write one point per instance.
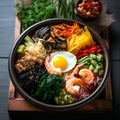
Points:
(63, 60)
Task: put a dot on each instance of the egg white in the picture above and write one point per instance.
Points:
(71, 59)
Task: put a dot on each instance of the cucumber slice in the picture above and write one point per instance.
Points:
(101, 72)
(91, 67)
(93, 56)
(99, 57)
(99, 66)
(94, 62)
(96, 71)
(21, 46)
(20, 50)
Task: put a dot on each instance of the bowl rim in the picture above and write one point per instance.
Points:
(46, 106)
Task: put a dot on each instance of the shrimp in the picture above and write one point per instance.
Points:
(87, 76)
(73, 84)
(50, 69)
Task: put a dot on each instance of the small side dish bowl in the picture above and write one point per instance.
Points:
(88, 9)
(42, 52)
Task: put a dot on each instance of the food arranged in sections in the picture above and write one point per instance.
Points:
(60, 64)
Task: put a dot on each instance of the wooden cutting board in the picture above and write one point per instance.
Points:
(102, 104)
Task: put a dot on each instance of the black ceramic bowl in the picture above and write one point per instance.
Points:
(13, 74)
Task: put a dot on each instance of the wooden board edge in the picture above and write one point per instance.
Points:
(95, 106)
(108, 90)
(17, 28)
(11, 93)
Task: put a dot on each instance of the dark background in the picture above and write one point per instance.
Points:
(7, 21)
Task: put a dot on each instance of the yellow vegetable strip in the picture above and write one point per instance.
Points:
(79, 41)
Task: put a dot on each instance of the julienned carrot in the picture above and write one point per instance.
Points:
(65, 30)
(74, 27)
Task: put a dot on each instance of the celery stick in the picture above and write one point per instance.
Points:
(28, 39)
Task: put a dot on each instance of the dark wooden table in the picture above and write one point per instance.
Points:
(7, 19)
(7, 22)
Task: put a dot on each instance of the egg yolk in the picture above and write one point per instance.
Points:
(60, 62)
